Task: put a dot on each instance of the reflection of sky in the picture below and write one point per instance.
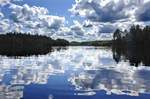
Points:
(88, 69)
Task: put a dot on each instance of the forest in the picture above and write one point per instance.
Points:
(19, 44)
(132, 45)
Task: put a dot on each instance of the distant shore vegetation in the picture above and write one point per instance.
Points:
(92, 43)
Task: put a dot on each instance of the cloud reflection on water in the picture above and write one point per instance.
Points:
(89, 69)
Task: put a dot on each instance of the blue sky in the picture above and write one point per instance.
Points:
(74, 20)
(55, 7)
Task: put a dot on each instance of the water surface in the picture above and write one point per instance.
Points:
(73, 73)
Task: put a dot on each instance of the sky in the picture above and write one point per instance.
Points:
(74, 20)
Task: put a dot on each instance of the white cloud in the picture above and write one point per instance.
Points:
(36, 19)
(77, 29)
(31, 19)
(4, 25)
(1, 15)
(26, 13)
(4, 2)
(73, 32)
(16, 27)
(105, 10)
(52, 22)
(100, 16)
(142, 13)
(104, 16)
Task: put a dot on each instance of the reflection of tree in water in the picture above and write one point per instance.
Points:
(59, 48)
(132, 45)
(117, 54)
(135, 55)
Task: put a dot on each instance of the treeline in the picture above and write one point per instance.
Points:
(92, 43)
(18, 44)
(132, 45)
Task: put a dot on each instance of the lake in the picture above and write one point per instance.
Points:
(73, 73)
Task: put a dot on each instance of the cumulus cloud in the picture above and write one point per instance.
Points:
(99, 17)
(105, 10)
(36, 18)
(89, 31)
(77, 29)
(4, 2)
(73, 32)
(26, 13)
(87, 24)
(4, 25)
(106, 28)
(16, 27)
(31, 19)
(100, 32)
(142, 14)
(104, 16)
(52, 22)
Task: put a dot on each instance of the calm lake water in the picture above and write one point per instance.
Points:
(73, 73)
